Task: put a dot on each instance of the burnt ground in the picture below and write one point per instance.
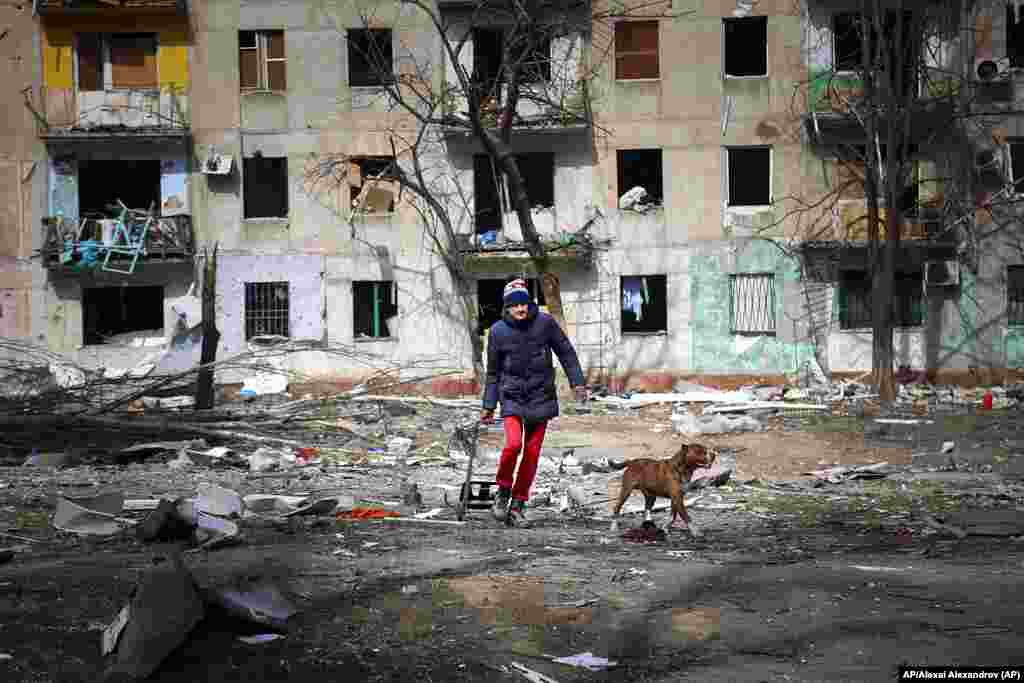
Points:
(791, 582)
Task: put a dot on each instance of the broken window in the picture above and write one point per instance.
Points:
(1016, 170)
(640, 168)
(490, 302)
(855, 299)
(750, 174)
(265, 187)
(1015, 295)
(116, 60)
(535, 62)
(374, 304)
(266, 309)
(368, 192)
(746, 46)
(636, 50)
(102, 182)
(110, 311)
(1014, 37)
(370, 61)
(261, 60)
(848, 48)
(488, 46)
(644, 304)
(753, 303)
(538, 172)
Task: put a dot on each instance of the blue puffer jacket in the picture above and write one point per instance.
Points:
(519, 369)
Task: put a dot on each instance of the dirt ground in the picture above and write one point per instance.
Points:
(790, 582)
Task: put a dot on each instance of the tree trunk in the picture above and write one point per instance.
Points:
(211, 336)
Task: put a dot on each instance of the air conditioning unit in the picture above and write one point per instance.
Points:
(218, 164)
(942, 273)
(987, 70)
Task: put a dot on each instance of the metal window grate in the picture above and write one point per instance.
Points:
(753, 303)
(1015, 295)
(266, 309)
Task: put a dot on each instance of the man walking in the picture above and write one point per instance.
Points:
(521, 376)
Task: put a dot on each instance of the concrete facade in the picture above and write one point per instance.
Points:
(698, 240)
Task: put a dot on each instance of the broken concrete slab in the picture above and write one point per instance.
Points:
(163, 611)
(79, 519)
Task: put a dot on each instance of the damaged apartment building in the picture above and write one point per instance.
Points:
(147, 130)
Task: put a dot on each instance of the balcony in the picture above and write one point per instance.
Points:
(110, 7)
(114, 246)
(148, 113)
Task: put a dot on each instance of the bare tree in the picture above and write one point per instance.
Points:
(896, 102)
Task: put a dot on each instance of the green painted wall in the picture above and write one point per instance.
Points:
(714, 346)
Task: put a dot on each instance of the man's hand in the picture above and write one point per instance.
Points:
(581, 394)
(487, 416)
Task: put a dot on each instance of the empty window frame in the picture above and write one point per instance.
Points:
(746, 46)
(373, 304)
(750, 176)
(855, 300)
(261, 61)
(636, 50)
(1015, 295)
(538, 172)
(267, 310)
(265, 187)
(644, 304)
(640, 168)
(1016, 170)
(535, 60)
(848, 48)
(138, 185)
(752, 303)
(109, 311)
(1014, 36)
(370, 191)
(370, 59)
(109, 61)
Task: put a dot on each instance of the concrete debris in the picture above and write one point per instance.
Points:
(587, 660)
(218, 501)
(182, 462)
(690, 425)
(264, 384)
(266, 459)
(837, 475)
(92, 516)
(531, 675)
(163, 611)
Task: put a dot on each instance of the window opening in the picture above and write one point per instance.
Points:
(538, 171)
(267, 309)
(1016, 170)
(111, 311)
(116, 60)
(265, 187)
(855, 300)
(749, 176)
(261, 60)
(1015, 295)
(365, 177)
(636, 50)
(644, 304)
(753, 303)
(847, 46)
(137, 185)
(374, 305)
(641, 168)
(488, 45)
(370, 61)
(746, 46)
(1014, 36)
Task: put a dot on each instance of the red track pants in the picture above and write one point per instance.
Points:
(510, 454)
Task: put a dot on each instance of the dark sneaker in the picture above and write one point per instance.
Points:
(517, 514)
(500, 507)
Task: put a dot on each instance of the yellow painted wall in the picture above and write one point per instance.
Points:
(58, 62)
(172, 59)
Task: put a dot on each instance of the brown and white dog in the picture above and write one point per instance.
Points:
(664, 478)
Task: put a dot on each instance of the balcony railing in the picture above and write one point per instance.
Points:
(116, 245)
(129, 113)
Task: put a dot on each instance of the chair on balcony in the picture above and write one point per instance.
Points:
(132, 228)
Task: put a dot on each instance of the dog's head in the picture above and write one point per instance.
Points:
(691, 456)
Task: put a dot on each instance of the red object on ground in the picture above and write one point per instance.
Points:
(307, 453)
(510, 453)
(986, 401)
(367, 513)
(648, 533)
